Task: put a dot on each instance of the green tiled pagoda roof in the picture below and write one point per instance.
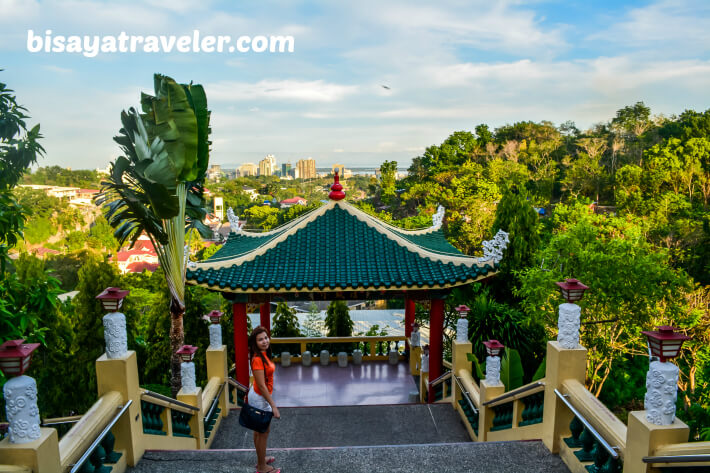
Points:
(335, 248)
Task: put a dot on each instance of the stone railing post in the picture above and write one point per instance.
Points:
(197, 427)
(121, 374)
(485, 413)
(643, 438)
(562, 364)
(217, 368)
(459, 361)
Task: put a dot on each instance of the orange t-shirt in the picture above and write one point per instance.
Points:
(258, 364)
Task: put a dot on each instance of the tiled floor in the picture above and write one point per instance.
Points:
(374, 382)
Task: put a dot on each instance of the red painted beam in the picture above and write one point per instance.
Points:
(241, 349)
(436, 336)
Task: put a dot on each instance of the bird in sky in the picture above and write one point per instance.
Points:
(385, 87)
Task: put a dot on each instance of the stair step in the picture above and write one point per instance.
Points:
(500, 457)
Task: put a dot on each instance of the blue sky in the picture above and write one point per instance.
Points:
(449, 66)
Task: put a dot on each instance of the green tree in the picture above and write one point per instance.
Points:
(516, 216)
(388, 177)
(633, 286)
(337, 320)
(19, 149)
(262, 216)
(156, 188)
(313, 326)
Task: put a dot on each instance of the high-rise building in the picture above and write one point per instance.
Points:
(341, 170)
(267, 166)
(285, 169)
(214, 173)
(219, 208)
(306, 168)
(248, 169)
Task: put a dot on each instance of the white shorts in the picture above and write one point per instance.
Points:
(255, 400)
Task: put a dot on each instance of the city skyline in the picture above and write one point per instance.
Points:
(365, 82)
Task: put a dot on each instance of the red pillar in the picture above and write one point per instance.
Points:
(265, 316)
(241, 350)
(408, 317)
(436, 337)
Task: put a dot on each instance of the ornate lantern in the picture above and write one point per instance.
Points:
(15, 357)
(463, 311)
(665, 343)
(187, 353)
(214, 316)
(112, 298)
(493, 347)
(462, 324)
(572, 290)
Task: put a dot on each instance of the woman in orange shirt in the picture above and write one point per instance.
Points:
(259, 396)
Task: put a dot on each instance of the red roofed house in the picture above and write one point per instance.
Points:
(138, 259)
(286, 203)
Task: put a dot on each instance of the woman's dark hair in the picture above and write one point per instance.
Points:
(254, 348)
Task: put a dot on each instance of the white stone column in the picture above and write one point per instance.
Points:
(187, 371)
(115, 335)
(568, 326)
(661, 393)
(462, 330)
(425, 363)
(493, 370)
(215, 336)
(21, 409)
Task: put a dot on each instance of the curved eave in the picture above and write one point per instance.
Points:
(318, 290)
(280, 235)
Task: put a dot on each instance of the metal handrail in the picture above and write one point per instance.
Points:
(440, 379)
(98, 439)
(701, 457)
(237, 385)
(215, 401)
(171, 400)
(465, 394)
(515, 392)
(613, 451)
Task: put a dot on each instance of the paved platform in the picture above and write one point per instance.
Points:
(350, 426)
(373, 382)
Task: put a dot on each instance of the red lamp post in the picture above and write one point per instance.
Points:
(215, 316)
(15, 357)
(493, 347)
(112, 298)
(572, 290)
(665, 343)
(187, 353)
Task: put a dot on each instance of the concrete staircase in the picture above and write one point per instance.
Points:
(353, 439)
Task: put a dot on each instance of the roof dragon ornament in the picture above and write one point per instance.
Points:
(493, 249)
(234, 222)
(438, 217)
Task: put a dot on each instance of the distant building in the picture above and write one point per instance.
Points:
(42, 252)
(286, 169)
(340, 168)
(306, 168)
(219, 208)
(251, 192)
(214, 173)
(248, 169)
(267, 166)
(286, 203)
(140, 258)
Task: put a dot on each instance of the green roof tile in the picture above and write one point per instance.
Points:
(334, 251)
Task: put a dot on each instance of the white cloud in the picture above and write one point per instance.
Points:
(678, 26)
(282, 90)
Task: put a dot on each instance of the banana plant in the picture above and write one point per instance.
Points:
(155, 188)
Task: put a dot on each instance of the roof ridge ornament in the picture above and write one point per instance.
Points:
(438, 218)
(234, 222)
(336, 190)
(493, 249)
